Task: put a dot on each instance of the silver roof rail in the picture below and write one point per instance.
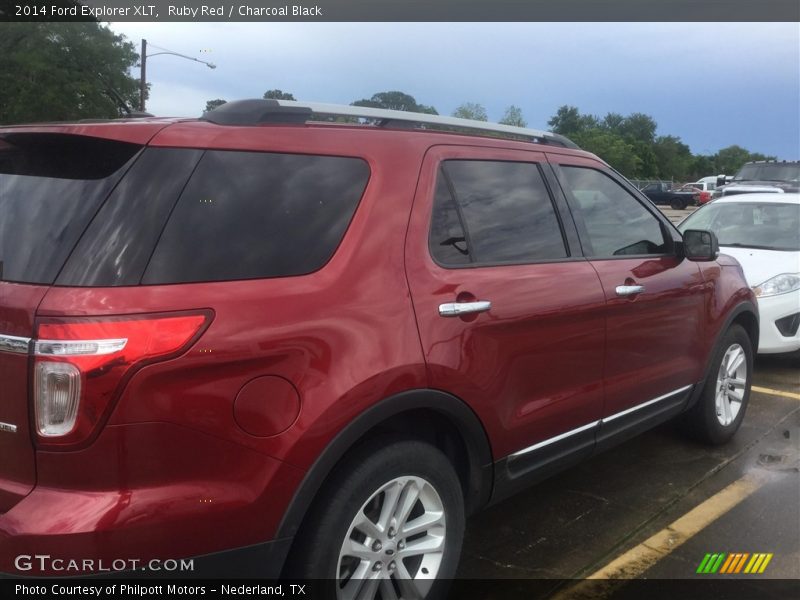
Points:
(244, 112)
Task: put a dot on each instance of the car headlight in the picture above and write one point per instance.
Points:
(780, 284)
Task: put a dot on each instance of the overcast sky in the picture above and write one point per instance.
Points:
(711, 84)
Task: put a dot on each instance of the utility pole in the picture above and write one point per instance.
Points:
(143, 76)
(143, 63)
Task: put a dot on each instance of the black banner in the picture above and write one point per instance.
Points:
(730, 588)
(400, 10)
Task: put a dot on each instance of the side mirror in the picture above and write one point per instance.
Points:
(700, 245)
(721, 180)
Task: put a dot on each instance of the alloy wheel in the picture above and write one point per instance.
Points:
(731, 384)
(394, 546)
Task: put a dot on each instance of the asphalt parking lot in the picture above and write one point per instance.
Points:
(654, 507)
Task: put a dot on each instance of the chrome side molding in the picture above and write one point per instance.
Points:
(597, 423)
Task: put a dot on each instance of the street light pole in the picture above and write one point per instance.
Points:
(143, 76)
(143, 63)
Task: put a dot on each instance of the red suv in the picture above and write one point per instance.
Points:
(293, 339)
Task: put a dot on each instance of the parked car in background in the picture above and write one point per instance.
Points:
(762, 232)
(311, 349)
(662, 193)
(706, 184)
(761, 177)
(698, 195)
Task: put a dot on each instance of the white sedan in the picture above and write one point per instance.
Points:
(762, 232)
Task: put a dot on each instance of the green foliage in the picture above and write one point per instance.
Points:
(212, 104)
(673, 158)
(568, 121)
(513, 116)
(64, 71)
(278, 95)
(471, 110)
(395, 101)
(629, 144)
(730, 159)
(638, 127)
(610, 147)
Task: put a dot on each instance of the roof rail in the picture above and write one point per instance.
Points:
(257, 111)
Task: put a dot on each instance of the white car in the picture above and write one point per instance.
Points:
(762, 232)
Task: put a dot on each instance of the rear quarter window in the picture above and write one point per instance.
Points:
(247, 215)
(51, 186)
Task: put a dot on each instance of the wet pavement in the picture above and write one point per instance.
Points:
(574, 524)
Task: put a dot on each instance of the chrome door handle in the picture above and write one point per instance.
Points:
(456, 309)
(629, 290)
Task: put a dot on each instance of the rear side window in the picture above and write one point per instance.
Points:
(246, 215)
(117, 245)
(612, 221)
(493, 212)
(51, 186)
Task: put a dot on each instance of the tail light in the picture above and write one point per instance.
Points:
(81, 365)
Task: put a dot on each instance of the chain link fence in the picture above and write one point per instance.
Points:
(641, 183)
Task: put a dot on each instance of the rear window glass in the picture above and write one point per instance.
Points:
(246, 215)
(51, 185)
(117, 245)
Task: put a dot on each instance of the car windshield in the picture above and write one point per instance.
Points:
(769, 172)
(771, 226)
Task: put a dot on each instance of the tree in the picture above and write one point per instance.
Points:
(64, 71)
(471, 110)
(674, 158)
(569, 121)
(212, 104)
(613, 122)
(640, 127)
(278, 95)
(730, 159)
(612, 148)
(513, 116)
(702, 166)
(395, 100)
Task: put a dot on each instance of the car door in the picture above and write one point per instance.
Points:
(654, 297)
(526, 353)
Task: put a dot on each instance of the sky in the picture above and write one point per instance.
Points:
(711, 84)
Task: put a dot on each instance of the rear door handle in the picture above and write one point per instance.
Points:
(629, 290)
(456, 309)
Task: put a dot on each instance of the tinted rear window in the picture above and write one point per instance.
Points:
(246, 215)
(117, 245)
(51, 185)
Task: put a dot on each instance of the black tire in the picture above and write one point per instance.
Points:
(359, 479)
(702, 420)
(677, 204)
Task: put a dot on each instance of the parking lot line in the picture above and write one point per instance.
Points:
(763, 390)
(638, 559)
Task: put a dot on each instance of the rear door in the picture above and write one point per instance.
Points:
(486, 237)
(655, 299)
(51, 185)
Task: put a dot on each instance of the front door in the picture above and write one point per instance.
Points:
(654, 298)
